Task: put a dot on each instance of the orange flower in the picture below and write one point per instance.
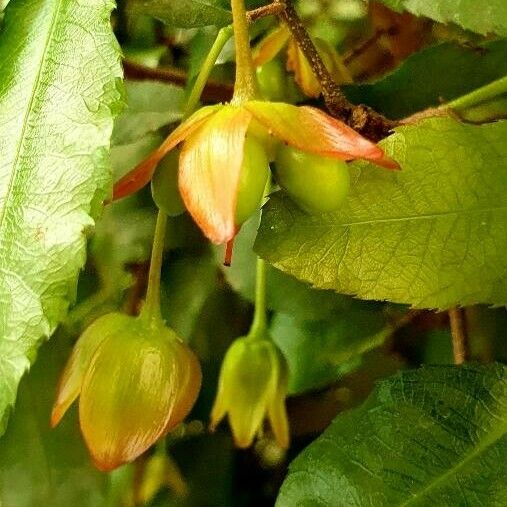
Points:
(136, 382)
(212, 154)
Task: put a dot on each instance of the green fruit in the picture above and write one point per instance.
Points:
(272, 80)
(164, 185)
(317, 184)
(252, 179)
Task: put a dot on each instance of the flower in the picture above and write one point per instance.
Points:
(136, 381)
(252, 386)
(212, 154)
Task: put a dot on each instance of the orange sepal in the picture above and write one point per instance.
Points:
(141, 174)
(310, 129)
(270, 45)
(128, 395)
(210, 165)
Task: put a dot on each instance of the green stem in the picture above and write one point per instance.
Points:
(245, 86)
(482, 94)
(193, 99)
(151, 307)
(259, 323)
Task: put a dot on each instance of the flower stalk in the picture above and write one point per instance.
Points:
(245, 86)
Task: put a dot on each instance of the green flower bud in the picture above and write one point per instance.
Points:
(252, 386)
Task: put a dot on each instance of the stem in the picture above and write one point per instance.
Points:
(245, 87)
(361, 118)
(259, 323)
(482, 94)
(258, 328)
(193, 99)
(459, 335)
(151, 308)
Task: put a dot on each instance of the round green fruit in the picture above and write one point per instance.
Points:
(252, 179)
(164, 185)
(317, 184)
(272, 80)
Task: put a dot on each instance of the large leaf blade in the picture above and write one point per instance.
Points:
(481, 16)
(59, 90)
(185, 13)
(435, 436)
(433, 235)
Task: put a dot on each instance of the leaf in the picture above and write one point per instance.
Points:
(434, 75)
(321, 351)
(56, 106)
(284, 293)
(150, 106)
(432, 235)
(434, 436)
(185, 13)
(40, 466)
(187, 281)
(481, 16)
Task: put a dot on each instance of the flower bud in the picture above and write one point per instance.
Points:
(136, 382)
(252, 386)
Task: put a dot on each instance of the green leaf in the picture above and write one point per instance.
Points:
(481, 16)
(187, 282)
(435, 74)
(320, 352)
(284, 293)
(150, 106)
(40, 466)
(432, 235)
(59, 89)
(434, 436)
(185, 13)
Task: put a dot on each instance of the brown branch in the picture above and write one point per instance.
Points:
(361, 118)
(459, 335)
(214, 91)
(272, 9)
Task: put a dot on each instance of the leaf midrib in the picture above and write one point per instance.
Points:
(20, 145)
(486, 444)
(407, 218)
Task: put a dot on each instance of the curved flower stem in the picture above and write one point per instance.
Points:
(193, 99)
(259, 323)
(245, 87)
(151, 308)
(475, 97)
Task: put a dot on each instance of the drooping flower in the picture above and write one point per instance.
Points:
(252, 387)
(136, 382)
(212, 154)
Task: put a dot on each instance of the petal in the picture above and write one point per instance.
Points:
(303, 73)
(70, 382)
(189, 383)
(277, 412)
(142, 173)
(310, 129)
(127, 396)
(270, 45)
(210, 165)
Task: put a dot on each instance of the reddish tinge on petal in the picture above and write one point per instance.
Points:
(210, 165)
(141, 174)
(310, 129)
